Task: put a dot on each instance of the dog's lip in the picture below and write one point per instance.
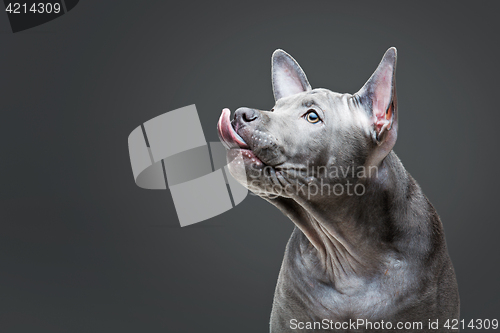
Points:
(247, 155)
(227, 134)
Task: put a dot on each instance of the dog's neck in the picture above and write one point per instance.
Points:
(352, 236)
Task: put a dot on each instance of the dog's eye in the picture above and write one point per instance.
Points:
(312, 117)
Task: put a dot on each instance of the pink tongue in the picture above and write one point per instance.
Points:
(227, 129)
(226, 115)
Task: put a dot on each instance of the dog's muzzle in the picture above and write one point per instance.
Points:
(227, 134)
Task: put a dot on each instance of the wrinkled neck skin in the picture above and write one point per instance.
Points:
(350, 240)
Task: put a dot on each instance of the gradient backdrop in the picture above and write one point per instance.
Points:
(83, 249)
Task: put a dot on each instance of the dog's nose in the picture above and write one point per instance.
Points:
(246, 115)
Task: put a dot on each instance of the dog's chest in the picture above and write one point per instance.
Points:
(301, 295)
(370, 301)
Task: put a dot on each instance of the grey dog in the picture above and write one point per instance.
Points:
(368, 248)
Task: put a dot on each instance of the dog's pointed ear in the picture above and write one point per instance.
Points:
(287, 76)
(378, 97)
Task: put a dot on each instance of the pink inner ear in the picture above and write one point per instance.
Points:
(289, 82)
(382, 95)
(383, 92)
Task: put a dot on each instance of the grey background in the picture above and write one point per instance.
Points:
(83, 249)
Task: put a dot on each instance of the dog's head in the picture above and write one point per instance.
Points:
(313, 136)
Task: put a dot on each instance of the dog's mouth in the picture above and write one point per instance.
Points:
(233, 141)
(235, 144)
(227, 134)
(262, 150)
